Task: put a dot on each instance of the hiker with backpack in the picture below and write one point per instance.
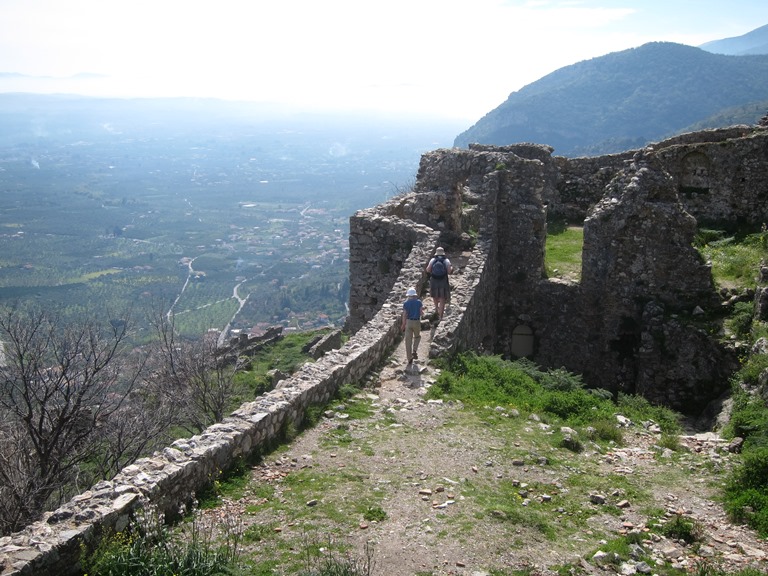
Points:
(439, 268)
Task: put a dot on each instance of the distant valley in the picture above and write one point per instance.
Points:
(223, 214)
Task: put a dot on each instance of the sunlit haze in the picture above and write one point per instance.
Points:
(449, 58)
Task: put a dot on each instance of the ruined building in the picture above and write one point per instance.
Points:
(639, 319)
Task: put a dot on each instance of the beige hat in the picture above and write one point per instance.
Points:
(440, 251)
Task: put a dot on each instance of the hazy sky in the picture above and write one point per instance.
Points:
(442, 57)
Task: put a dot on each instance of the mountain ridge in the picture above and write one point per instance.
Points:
(623, 100)
(753, 42)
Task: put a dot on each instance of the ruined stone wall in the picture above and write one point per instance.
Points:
(379, 245)
(642, 282)
(581, 183)
(168, 480)
(721, 176)
(721, 182)
(630, 324)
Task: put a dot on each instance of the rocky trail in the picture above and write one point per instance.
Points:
(437, 475)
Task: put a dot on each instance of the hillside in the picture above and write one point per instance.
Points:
(422, 486)
(623, 100)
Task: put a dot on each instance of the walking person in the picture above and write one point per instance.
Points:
(413, 309)
(439, 268)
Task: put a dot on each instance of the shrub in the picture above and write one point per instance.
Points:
(575, 405)
(749, 373)
(746, 491)
(749, 414)
(640, 409)
(670, 441)
(560, 379)
(682, 528)
(331, 564)
(740, 320)
(605, 430)
(374, 514)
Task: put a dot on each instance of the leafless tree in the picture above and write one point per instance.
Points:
(195, 372)
(63, 388)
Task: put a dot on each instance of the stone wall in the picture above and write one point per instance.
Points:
(721, 176)
(633, 322)
(168, 480)
(380, 242)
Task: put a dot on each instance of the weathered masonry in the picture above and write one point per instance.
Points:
(631, 323)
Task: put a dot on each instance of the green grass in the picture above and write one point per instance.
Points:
(735, 258)
(562, 256)
(285, 355)
(149, 548)
(480, 381)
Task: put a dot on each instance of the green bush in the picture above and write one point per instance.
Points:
(682, 528)
(749, 421)
(560, 379)
(486, 380)
(750, 371)
(491, 381)
(746, 491)
(740, 320)
(605, 430)
(573, 405)
(639, 409)
(749, 413)
(374, 514)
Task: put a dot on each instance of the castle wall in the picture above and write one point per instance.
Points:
(380, 242)
(720, 175)
(721, 182)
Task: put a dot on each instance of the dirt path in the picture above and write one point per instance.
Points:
(461, 494)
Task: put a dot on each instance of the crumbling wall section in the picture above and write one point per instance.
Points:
(720, 174)
(721, 182)
(641, 277)
(581, 182)
(380, 242)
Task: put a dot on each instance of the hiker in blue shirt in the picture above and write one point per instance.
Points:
(438, 268)
(413, 309)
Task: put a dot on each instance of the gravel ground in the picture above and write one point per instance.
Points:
(428, 488)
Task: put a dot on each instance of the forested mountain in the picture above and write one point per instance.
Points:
(625, 99)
